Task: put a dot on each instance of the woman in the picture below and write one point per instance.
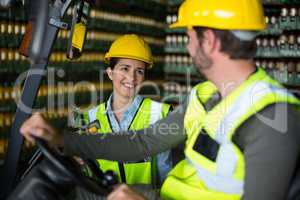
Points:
(128, 58)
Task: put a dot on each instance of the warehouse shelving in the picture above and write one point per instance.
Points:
(108, 20)
(279, 46)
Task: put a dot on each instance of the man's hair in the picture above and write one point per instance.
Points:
(230, 44)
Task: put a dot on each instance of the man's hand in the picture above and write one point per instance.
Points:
(78, 160)
(124, 192)
(37, 126)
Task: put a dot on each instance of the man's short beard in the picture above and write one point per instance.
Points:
(201, 60)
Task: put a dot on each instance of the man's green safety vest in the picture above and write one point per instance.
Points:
(214, 167)
(141, 172)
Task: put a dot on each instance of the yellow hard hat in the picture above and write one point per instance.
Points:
(222, 14)
(130, 46)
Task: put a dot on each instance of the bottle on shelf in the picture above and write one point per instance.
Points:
(284, 46)
(284, 24)
(10, 35)
(273, 48)
(259, 47)
(297, 49)
(298, 19)
(298, 73)
(3, 32)
(292, 45)
(293, 18)
(291, 68)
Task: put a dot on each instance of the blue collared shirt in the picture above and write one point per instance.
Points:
(164, 161)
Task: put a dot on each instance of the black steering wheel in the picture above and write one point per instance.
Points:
(71, 169)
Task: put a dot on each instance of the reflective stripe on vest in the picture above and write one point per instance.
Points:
(92, 113)
(148, 113)
(156, 111)
(248, 98)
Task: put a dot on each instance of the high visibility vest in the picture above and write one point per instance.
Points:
(214, 167)
(141, 172)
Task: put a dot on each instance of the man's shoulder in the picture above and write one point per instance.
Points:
(276, 122)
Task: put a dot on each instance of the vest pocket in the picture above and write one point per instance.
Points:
(207, 146)
(138, 173)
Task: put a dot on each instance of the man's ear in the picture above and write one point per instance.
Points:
(193, 35)
(109, 72)
(211, 42)
(193, 43)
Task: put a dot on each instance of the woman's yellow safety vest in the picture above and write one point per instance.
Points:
(141, 172)
(214, 167)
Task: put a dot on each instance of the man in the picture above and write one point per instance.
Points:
(240, 128)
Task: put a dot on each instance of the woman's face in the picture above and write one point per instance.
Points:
(127, 75)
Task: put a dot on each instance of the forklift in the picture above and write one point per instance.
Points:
(49, 174)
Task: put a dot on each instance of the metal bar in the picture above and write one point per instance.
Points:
(30, 90)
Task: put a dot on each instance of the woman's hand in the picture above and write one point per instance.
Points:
(38, 126)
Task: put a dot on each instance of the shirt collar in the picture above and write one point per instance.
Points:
(127, 116)
(134, 105)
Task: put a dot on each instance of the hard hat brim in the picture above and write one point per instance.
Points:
(108, 57)
(177, 25)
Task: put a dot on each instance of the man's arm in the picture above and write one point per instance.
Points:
(131, 145)
(271, 150)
